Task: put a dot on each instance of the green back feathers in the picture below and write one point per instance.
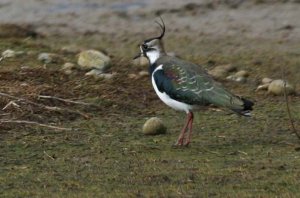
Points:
(191, 84)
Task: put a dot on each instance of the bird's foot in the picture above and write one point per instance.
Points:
(180, 143)
(187, 143)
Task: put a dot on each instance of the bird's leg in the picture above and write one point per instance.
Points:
(190, 126)
(184, 129)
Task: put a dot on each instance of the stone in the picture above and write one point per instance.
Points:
(94, 72)
(227, 67)
(231, 77)
(49, 58)
(143, 73)
(263, 87)
(266, 80)
(132, 76)
(93, 59)
(276, 87)
(242, 73)
(154, 126)
(221, 71)
(98, 74)
(218, 73)
(8, 53)
(68, 66)
(142, 61)
(241, 79)
(71, 49)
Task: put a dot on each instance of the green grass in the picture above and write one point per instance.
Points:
(107, 155)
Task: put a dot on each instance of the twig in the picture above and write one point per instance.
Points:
(43, 106)
(34, 123)
(213, 152)
(65, 100)
(11, 103)
(48, 155)
(288, 105)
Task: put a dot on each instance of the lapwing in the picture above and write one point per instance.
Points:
(186, 86)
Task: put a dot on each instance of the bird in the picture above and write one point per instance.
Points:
(185, 86)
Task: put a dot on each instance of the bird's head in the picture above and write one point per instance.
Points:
(153, 48)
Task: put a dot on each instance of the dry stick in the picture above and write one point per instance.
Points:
(66, 100)
(34, 123)
(43, 106)
(288, 105)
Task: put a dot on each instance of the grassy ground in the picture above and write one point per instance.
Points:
(106, 155)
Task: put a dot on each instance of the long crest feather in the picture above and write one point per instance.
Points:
(163, 29)
(162, 26)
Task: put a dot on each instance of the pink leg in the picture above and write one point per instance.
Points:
(187, 124)
(190, 125)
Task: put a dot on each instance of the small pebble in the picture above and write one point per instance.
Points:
(143, 73)
(263, 87)
(8, 54)
(68, 66)
(242, 73)
(142, 61)
(49, 58)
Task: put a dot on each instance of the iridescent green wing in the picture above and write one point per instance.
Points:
(189, 83)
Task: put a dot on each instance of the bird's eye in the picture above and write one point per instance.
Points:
(144, 46)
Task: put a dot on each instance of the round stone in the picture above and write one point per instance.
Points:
(242, 73)
(93, 59)
(276, 87)
(142, 61)
(154, 126)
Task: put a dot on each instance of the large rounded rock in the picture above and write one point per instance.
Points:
(154, 126)
(92, 59)
(276, 87)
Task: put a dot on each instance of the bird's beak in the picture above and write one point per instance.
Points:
(138, 55)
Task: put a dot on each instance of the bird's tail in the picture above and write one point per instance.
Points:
(247, 108)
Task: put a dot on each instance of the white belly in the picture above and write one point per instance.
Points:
(167, 100)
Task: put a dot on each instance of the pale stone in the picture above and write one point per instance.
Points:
(143, 73)
(92, 59)
(242, 73)
(142, 61)
(276, 87)
(8, 54)
(266, 80)
(263, 87)
(154, 126)
(49, 58)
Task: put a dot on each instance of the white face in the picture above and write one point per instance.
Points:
(153, 55)
(151, 50)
